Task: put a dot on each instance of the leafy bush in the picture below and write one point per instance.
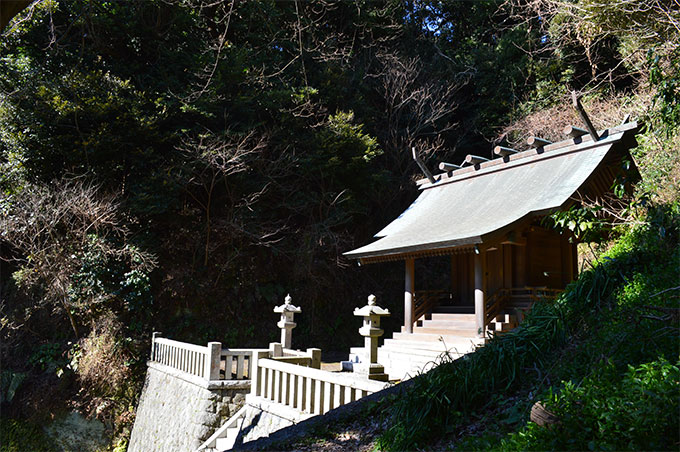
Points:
(20, 436)
(601, 317)
(639, 411)
(445, 394)
(103, 363)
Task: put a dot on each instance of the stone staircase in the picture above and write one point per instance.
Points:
(447, 331)
(225, 437)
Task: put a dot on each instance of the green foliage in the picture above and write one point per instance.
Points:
(104, 281)
(248, 145)
(54, 358)
(9, 383)
(21, 436)
(664, 76)
(590, 322)
(48, 357)
(444, 396)
(582, 221)
(608, 411)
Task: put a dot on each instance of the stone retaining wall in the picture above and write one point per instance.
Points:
(177, 411)
(283, 439)
(262, 418)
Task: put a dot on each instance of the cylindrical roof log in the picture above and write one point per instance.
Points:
(574, 132)
(503, 151)
(443, 166)
(538, 142)
(474, 159)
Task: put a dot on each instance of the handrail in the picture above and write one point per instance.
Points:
(210, 362)
(182, 345)
(232, 422)
(497, 302)
(306, 389)
(425, 301)
(189, 358)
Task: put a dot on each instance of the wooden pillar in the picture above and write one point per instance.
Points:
(508, 253)
(480, 302)
(408, 295)
(453, 289)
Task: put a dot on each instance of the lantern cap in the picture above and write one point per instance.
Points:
(287, 306)
(371, 309)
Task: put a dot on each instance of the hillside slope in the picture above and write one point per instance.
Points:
(603, 359)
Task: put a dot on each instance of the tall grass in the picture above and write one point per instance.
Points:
(595, 316)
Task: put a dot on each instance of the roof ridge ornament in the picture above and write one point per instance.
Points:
(574, 132)
(538, 142)
(504, 151)
(422, 166)
(444, 166)
(474, 160)
(584, 116)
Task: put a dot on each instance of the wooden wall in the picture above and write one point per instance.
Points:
(550, 259)
(547, 259)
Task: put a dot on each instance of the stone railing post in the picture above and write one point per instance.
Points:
(371, 331)
(315, 354)
(275, 350)
(256, 374)
(154, 336)
(286, 323)
(212, 362)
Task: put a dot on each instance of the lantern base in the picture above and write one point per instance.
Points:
(372, 371)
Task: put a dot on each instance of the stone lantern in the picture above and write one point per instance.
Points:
(286, 323)
(371, 331)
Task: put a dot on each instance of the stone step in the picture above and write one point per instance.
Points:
(428, 346)
(227, 442)
(462, 332)
(447, 338)
(403, 372)
(497, 328)
(450, 316)
(419, 347)
(410, 354)
(506, 318)
(455, 309)
(398, 368)
(444, 324)
(391, 364)
(395, 360)
(406, 343)
(453, 324)
(401, 352)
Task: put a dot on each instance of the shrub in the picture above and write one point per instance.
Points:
(20, 436)
(102, 366)
(637, 411)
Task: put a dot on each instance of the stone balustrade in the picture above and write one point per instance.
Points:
(211, 362)
(306, 389)
(236, 363)
(200, 361)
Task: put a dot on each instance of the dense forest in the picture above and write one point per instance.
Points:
(181, 165)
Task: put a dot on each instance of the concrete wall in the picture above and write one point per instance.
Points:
(177, 411)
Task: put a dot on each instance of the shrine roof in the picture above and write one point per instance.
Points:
(477, 204)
